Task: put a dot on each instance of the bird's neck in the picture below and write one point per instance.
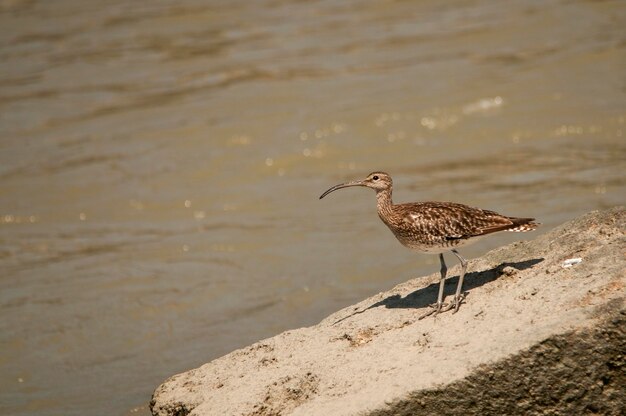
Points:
(384, 204)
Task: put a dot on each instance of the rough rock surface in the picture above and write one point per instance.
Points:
(533, 338)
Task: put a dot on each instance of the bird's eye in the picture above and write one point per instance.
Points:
(375, 177)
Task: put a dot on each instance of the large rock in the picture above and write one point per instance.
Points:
(533, 338)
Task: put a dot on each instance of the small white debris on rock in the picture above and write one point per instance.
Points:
(571, 262)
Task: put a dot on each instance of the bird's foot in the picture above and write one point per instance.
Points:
(457, 302)
(435, 308)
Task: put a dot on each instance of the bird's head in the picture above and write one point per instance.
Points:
(379, 181)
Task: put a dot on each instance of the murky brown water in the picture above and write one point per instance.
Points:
(160, 164)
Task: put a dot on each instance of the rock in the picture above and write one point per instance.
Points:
(533, 337)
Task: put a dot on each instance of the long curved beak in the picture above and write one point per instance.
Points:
(342, 185)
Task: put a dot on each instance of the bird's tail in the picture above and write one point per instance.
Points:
(522, 225)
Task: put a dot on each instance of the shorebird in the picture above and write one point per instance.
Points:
(436, 227)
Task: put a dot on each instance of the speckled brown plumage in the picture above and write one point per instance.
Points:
(435, 227)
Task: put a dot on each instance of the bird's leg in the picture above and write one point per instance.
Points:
(442, 282)
(436, 308)
(458, 295)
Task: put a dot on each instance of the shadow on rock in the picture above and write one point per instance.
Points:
(425, 296)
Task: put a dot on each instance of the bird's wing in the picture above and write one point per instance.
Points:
(453, 221)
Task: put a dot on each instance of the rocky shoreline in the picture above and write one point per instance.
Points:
(539, 333)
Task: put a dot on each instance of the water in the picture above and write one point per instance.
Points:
(160, 164)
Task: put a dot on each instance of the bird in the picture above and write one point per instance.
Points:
(436, 227)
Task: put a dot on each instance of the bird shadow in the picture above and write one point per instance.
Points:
(426, 296)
